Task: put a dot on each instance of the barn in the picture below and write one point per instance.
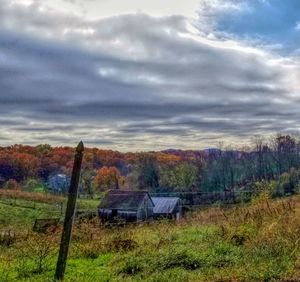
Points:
(168, 207)
(126, 205)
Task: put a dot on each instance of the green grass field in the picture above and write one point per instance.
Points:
(257, 242)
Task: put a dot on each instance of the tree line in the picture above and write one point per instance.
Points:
(215, 169)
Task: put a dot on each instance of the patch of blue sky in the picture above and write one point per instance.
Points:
(273, 22)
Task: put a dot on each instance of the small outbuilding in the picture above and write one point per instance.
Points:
(59, 183)
(126, 205)
(168, 207)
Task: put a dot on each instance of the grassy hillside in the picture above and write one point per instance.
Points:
(257, 242)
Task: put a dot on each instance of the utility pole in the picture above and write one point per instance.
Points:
(69, 216)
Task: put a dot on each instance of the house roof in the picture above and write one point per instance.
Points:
(123, 200)
(59, 177)
(164, 205)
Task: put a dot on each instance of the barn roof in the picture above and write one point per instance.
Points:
(164, 205)
(123, 200)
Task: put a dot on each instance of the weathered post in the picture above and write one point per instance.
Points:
(61, 208)
(69, 216)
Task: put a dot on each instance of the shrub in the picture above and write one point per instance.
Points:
(34, 256)
(180, 258)
(121, 241)
(33, 185)
(7, 238)
(12, 184)
(289, 181)
(122, 245)
(223, 254)
(91, 249)
(131, 265)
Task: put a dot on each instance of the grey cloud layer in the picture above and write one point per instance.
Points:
(134, 80)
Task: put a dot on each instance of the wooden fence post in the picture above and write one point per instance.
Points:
(69, 216)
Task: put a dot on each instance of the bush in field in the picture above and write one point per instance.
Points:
(33, 185)
(130, 264)
(289, 181)
(90, 250)
(121, 241)
(180, 258)
(264, 191)
(12, 184)
(34, 255)
(7, 238)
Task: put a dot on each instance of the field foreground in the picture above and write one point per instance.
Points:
(254, 242)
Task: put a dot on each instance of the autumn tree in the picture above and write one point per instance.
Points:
(18, 166)
(107, 178)
(86, 181)
(147, 170)
(222, 171)
(285, 153)
(182, 177)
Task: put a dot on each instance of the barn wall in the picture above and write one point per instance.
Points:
(106, 214)
(128, 215)
(145, 210)
(149, 207)
(141, 215)
(178, 207)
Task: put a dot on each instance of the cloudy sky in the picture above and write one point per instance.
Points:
(148, 75)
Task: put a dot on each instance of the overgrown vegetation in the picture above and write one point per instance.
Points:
(257, 241)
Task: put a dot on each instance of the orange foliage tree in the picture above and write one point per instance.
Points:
(107, 178)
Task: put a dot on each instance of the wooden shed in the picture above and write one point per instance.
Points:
(126, 205)
(167, 207)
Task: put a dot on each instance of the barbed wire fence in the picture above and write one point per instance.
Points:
(189, 198)
(189, 201)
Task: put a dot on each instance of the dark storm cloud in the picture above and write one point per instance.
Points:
(134, 77)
